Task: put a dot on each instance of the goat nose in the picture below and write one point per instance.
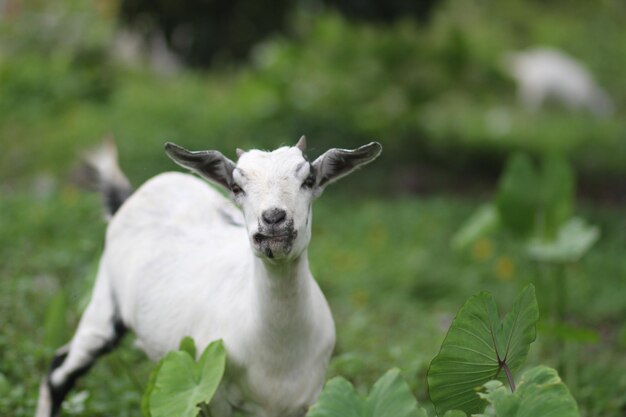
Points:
(274, 216)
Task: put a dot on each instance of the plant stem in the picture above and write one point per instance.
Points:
(204, 409)
(561, 292)
(561, 314)
(509, 376)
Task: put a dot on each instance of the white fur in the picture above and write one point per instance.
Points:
(543, 73)
(177, 262)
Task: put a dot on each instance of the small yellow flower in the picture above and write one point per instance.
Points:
(504, 268)
(482, 249)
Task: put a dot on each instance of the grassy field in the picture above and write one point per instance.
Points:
(429, 93)
(392, 280)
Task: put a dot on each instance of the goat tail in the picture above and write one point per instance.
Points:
(100, 171)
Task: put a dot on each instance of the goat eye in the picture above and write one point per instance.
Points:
(236, 189)
(309, 182)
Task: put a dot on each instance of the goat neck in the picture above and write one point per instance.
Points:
(283, 293)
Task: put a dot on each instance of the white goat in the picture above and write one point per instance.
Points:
(177, 262)
(544, 73)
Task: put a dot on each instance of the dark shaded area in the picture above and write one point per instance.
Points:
(205, 31)
(382, 11)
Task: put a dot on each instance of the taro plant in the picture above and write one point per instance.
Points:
(473, 374)
(389, 397)
(534, 207)
(179, 386)
(540, 393)
(479, 347)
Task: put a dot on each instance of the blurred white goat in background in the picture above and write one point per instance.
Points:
(545, 73)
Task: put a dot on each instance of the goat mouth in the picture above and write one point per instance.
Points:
(260, 238)
(274, 245)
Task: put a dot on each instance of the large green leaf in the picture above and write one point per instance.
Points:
(478, 348)
(454, 413)
(518, 195)
(187, 344)
(147, 393)
(573, 240)
(558, 188)
(181, 383)
(390, 397)
(338, 399)
(540, 393)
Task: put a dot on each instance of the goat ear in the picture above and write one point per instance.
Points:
(337, 163)
(211, 165)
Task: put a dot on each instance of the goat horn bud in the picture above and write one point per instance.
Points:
(302, 144)
(240, 152)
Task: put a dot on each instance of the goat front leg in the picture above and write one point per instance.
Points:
(98, 332)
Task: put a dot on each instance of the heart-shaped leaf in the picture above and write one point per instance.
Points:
(454, 413)
(181, 383)
(147, 393)
(540, 393)
(478, 348)
(187, 344)
(338, 398)
(390, 397)
(518, 195)
(573, 240)
(558, 189)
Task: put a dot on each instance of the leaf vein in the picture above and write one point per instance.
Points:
(472, 350)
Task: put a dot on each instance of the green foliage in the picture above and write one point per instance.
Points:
(454, 413)
(150, 385)
(557, 194)
(392, 304)
(531, 202)
(454, 379)
(188, 345)
(5, 386)
(485, 220)
(435, 92)
(182, 385)
(517, 199)
(536, 206)
(53, 56)
(540, 393)
(390, 397)
(478, 348)
(56, 324)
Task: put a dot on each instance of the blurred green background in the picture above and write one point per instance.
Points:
(427, 79)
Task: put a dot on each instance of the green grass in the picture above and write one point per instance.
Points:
(386, 267)
(434, 93)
